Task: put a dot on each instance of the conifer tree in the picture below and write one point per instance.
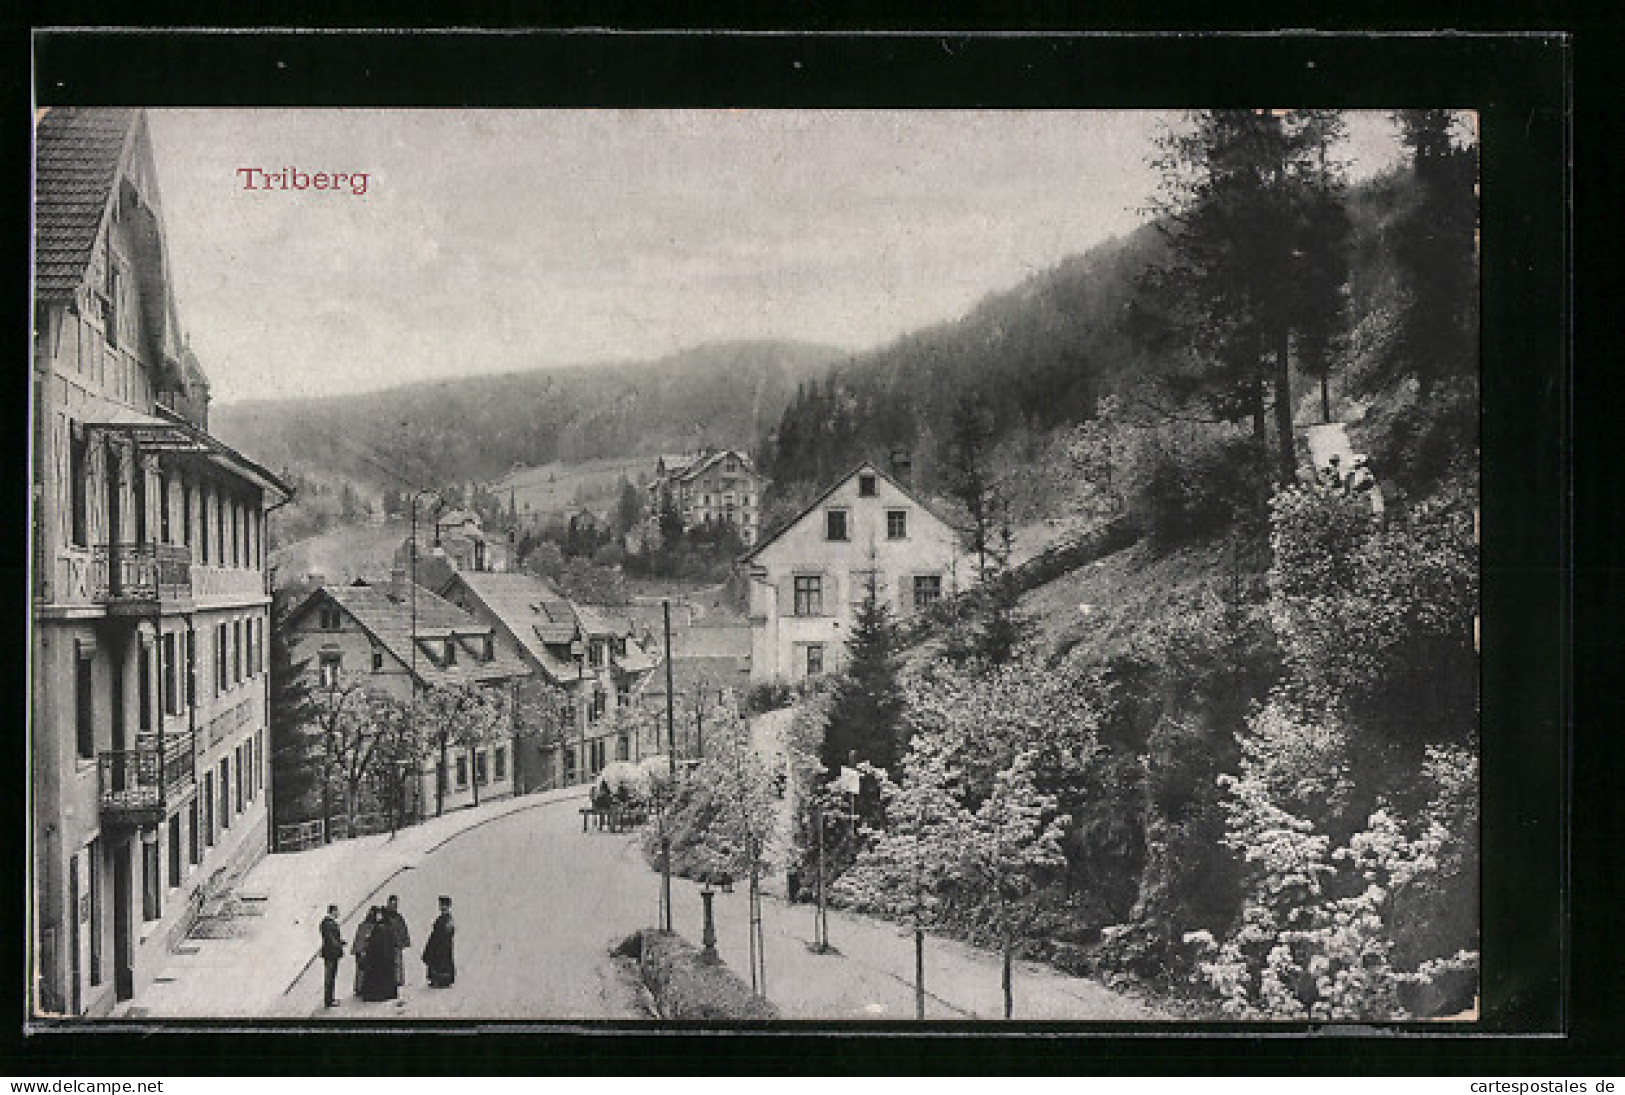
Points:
(865, 722)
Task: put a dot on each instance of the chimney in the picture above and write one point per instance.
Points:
(397, 583)
(902, 467)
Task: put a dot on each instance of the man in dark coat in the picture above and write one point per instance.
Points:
(437, 952)
(332, 951)
(396, 923)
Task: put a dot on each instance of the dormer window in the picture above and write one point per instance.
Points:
(449, 652)
(486, 652)
(867, 485)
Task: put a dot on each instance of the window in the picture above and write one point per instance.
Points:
(220, 530)
(237, 777)
(897, 524)
(144, 682)
(186, 513)
(462, 772)
(499, 761)
(449, 651)
(835, 525)
(172, 688)
(331, 619)
(174, 851)
(93, 878)
(596, 748)
(208, 809)
(150, 879)
(237, 652)
(203, 525)
(259, 647)
(112, 302)
(79, 484)
(259, 757)
(163, 508)
(377, 660)
(194, 843)
(85, 703)
(809, 591)
(487, 650)
(191, 668)
(225, 793)
(815, 659)
(599, 705)
(867, 485)
(927, 589)
(221, 664)
(481, 775)
(332, 665)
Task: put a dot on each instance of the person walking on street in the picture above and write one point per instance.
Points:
(332, 951)
(363, 938)
(396, 923)
(437, 952)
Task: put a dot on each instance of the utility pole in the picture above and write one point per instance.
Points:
(671, 764)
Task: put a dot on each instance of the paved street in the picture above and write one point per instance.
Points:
(538, 905)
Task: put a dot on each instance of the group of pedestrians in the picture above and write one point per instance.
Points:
(379, 949)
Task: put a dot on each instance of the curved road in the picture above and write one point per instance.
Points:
(530, 894)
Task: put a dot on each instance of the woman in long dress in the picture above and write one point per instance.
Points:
(378, 964)
(438, 954)
(363, 934)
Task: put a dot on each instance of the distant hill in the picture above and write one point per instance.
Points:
(479, 428)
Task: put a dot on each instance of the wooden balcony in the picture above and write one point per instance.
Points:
(138, 786)
(142, 574)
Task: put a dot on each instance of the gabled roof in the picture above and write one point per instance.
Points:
(531, 611)
(704, 463)
(389, 621)
(867, 465)
(77, 152)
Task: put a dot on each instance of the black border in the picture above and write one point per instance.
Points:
(1521, 85)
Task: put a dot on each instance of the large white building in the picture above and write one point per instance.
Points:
(147, 719)
(808, 579)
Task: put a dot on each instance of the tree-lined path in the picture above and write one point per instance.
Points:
(538, 905)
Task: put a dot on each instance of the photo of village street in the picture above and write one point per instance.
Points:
(754, 566)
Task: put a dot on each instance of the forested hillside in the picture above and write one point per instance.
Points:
(1235, 764)
(478, 428)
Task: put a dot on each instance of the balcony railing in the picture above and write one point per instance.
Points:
(142, 572)
(138, 785)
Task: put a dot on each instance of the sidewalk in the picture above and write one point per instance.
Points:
(249, 975)
(872, 975)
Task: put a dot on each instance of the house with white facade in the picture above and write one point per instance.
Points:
(149, 589)
(808, 579)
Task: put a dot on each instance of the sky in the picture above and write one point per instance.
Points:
(498, 241)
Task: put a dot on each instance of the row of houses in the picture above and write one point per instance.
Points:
(150, 700)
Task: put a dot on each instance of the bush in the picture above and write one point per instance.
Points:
(686, 986)
(1193, 491)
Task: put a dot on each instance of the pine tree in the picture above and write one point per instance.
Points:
(1252, 214)
(865, 722)
(1436, 249)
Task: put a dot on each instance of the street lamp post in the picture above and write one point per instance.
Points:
(412, 642)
